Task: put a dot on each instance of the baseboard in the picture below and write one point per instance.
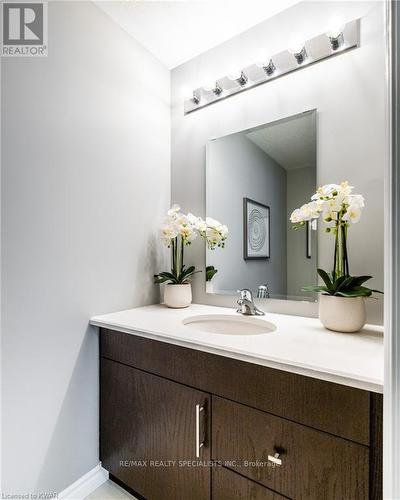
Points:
(85, 485)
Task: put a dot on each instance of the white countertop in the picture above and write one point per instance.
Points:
(298, 345)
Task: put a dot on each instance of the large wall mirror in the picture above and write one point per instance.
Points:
(255, 179)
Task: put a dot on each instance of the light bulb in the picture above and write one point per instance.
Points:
(186, 92)
(261, 57)
(296, 47)
(334, 33)
(335, 27)
(239, 77)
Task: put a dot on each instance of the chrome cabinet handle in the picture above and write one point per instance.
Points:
(275, 459)
(199, 444)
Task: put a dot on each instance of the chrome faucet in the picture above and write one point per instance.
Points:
(246, 304)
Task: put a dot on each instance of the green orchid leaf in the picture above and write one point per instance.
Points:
(159, 280)
(165, 274)
(343, 283)
(325, 277)
(337, 283)
(210, 272)
(343, 286)
(163, 277)
(185, 273)
(359, 280)
(314, 288)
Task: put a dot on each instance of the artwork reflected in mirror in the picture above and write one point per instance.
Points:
(255, 179)
(256, 230)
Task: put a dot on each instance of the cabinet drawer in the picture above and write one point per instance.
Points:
(337, 409)
(315, 465)
(228, 485)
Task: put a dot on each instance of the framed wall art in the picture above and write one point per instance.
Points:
(256, 230)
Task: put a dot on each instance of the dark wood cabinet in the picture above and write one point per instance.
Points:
(229, 485)
(159, 402)
(149, 431)
(315, 465)
(305, 400)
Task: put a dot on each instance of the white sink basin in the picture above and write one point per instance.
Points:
(227, 324)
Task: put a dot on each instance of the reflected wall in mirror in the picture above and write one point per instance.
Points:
(254, 180)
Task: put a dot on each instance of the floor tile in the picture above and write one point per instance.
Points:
(109, 491)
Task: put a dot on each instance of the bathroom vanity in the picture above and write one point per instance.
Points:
(292, 412)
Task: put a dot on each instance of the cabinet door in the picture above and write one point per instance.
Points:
(229, 485)
(151, 431)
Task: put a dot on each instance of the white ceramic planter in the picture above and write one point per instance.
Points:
(177, 296)
(342, 314)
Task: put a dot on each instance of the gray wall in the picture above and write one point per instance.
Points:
(348, 92)
(300, 269)
(237, 168)
(85, 181)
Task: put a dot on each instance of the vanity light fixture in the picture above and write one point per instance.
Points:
(216, 88)
(269, 68)
(328, 44)
(336, 39)
(196, 97)
(242, 80)
(299, 54)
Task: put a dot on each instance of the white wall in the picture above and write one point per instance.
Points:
(348, 93)
(85, 180)
(238, 169)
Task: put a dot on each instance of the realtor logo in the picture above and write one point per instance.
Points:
(24, 29)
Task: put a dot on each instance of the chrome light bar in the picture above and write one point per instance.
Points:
(314, 50)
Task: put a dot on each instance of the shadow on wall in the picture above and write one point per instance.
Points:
(151, 261)
(78, 416)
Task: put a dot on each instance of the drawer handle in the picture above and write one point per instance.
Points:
(199, 444)
(275, 459)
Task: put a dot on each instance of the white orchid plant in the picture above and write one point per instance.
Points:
(179, 231)
(339, 208)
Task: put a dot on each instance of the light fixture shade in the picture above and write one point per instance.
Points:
(228, 83)
(255, 73)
